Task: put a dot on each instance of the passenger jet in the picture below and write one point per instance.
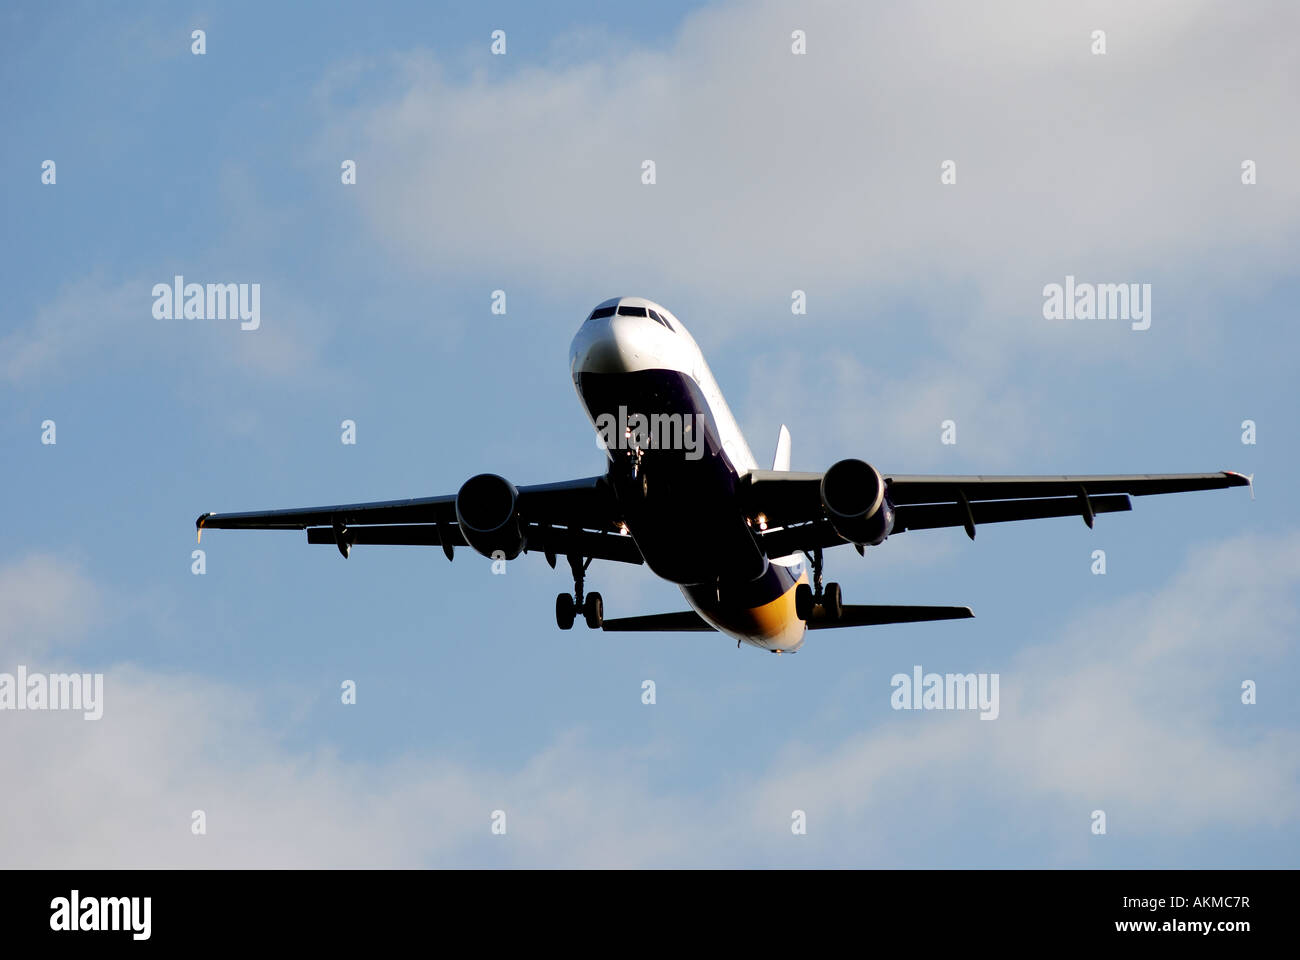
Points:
(683, 495)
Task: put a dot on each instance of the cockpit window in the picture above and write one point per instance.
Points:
(630, 311)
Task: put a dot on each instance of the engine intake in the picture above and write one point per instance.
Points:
(487, 509)
(853, 496)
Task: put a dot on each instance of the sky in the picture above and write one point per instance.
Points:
(775, 172)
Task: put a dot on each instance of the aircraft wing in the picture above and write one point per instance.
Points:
(791, 502)
(558, 519)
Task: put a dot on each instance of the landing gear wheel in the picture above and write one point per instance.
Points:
(803, 602)
(594, 611)
(564, 611)
(832, 602)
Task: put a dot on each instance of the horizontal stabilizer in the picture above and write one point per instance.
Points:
(871, 615)
(686, 621)
(864, 615)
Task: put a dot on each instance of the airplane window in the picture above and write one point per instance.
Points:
(601, 313)
(631, 311)
(656, 317)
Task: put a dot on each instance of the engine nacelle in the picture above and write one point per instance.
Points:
(487, 509)
(853, 496)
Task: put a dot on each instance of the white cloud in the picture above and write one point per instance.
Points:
(78, 323)
(858, 406)
(43, 601)
(775, 172)
(822, 171)
(92, 321)
(1135, 709)
(1126, 710)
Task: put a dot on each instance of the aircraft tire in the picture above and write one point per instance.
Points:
(803, 602)
(564, 611)
(594, 611)
(832, 602)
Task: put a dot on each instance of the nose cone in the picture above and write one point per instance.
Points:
(602, 346)
(616, 344)
(627, 335)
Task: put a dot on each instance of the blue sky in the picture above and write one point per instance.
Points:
(522, 172)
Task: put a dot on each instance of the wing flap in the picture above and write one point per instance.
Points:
(927, 516)
(410, 534)
(554, 540)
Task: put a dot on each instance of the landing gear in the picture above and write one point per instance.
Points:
(591, 606)
(593, 611)
(832, 602)
(803, 602)
(806, 597)
(564, 611)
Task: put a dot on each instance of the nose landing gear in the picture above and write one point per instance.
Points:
(806, 598)
(567, 607)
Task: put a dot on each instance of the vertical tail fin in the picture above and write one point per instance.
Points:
(782, 459)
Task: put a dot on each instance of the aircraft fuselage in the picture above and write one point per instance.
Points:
(676, 456)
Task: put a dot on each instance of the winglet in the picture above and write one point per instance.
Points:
(1247, 480)
(198, 525)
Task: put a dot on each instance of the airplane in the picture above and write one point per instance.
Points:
(683, 495)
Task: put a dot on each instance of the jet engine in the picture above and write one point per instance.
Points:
(853, 496)
(487, 509)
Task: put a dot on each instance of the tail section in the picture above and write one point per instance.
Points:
(874, 615)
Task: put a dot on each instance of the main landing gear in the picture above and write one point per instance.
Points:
(567, 607)
(806, 598)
